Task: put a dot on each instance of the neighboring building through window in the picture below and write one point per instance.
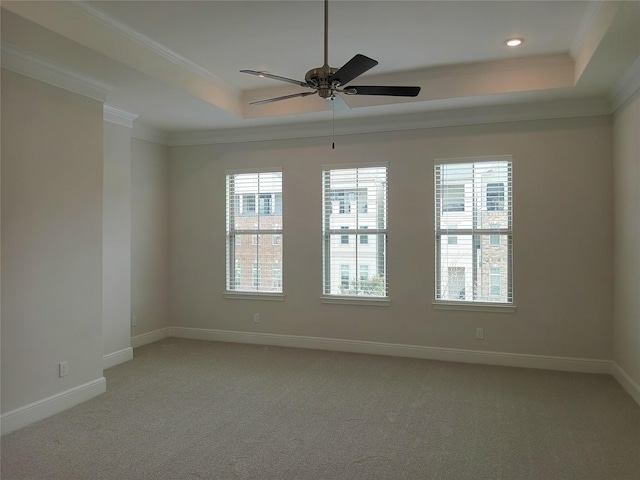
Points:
(254, 232)
(344, 239)
(364, 239)
(453, 198)
(473, 204)
(355, 208)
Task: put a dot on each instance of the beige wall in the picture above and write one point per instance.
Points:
(563, 201)
(626, 146)
(51, 240)
(150, 236)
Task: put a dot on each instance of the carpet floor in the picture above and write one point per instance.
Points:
(188, 409)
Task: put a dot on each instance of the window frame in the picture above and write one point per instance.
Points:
(332, 192)
(477, 235)
(235, 211)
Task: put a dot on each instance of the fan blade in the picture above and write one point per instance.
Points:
(285, 97)
(276, 77)
(380, 90)
(337, 104)
(353, 68)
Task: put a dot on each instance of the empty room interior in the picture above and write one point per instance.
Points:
(311, 239)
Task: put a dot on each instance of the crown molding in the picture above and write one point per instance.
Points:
(149, 134)
(586, 23)
(141, 39)
(25, 63)
(626, 86)
(117, 116)
(415, 121)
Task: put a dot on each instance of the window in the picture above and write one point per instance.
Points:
(344, 277)
(249, 246)
(453, 198)
(494, 239)
(495, 196)
(355, 203)
(277, 276)
(364, 239)
(494, 281)
(265, 204)
(344, 239)
(473, 203)
(256, 276)
(237, 274)
(248, 204)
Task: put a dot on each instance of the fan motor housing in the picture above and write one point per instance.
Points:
(320, 78)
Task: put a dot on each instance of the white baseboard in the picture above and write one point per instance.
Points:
(23, 416)
(623, 378)
(116, 358)
(150, 337)
(583, 365)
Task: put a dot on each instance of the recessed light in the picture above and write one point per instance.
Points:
(514, 42)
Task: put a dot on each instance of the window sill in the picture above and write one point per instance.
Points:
(277, 297)
(344, 300)
(475, 307)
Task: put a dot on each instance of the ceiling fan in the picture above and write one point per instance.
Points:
(326, 81)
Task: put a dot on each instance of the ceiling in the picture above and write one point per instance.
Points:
(176, 64)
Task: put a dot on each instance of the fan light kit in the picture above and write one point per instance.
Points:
(326, 81)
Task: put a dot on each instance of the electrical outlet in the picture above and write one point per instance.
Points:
(480, 333)
(256, 318)
(63, 369)
(134, 321)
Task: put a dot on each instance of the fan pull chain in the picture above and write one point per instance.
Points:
(333, 124)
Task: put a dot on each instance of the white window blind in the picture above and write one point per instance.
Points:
(474, 231)
(354, 231)
(254, 232)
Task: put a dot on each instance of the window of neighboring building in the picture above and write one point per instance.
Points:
(254, 210)
(256, 276)
(344, 276)
(355, 204)
(494, 281)
(265, 204)
(473, 203)
(494, 239)
(344, 239)
(453, 198)
(237, 275)
(249, 204)
(364, 239)
(495, 196)
(277, 276)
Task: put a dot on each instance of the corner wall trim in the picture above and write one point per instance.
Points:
(626, 381)
(118, 116)
(150, 337)
(25, 63)
(23, 416)
(116, 358)
(583, 365)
